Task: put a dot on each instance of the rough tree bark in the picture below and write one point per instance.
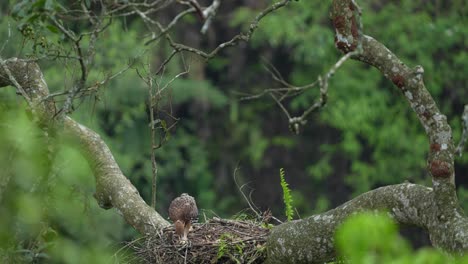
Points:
(310, 240)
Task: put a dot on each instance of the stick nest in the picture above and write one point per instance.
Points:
(216, 241)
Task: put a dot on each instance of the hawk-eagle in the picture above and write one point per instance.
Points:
(183, 211)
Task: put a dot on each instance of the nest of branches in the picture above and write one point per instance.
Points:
(216, 241)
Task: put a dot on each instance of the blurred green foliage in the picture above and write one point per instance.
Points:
(48, 215)
(381, 243)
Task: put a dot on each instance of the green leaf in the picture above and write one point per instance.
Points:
(19, 10)
(287, 197)
(53, 29)
(380, 243)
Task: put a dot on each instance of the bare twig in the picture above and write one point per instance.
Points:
(7, 172)
(209, 13)
(120, 9)
(14, 82)
(234, 41)
(153, 106)
(155, 93)
(464, 137)
(85, 60)
(287, 87)
(195, 5)
(324, 84)
(281, 106)
(169, 26)
(154, 164)
(8, 38)
(160, 90)
(251, 205)
(295, 122)
(92, 88)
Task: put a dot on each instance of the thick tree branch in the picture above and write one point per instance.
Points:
(346, 19)
(311, 240)
(113, 189)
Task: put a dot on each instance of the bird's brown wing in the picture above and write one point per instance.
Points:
(176, 209)
(183, 208)
(193, 213)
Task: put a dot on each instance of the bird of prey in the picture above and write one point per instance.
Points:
(183, 211)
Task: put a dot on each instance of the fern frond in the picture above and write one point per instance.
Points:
(287, 197)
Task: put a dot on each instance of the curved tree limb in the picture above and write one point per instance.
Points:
(346, 19)
(113, 189)
(311, 240)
